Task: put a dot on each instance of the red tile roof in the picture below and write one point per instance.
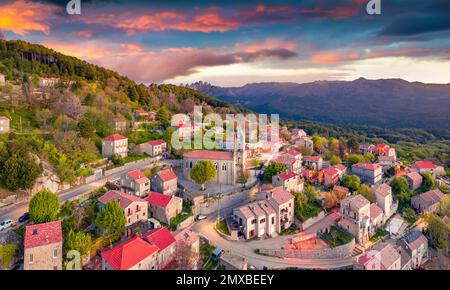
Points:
(114, 137)
(43, 234)
(159, 199)
(425, 165)
(127, 254)
(124, 199)
(208, 154)
(293, 152)
(367, 166)
(383, 190)
(167, 174)
(287, 175)
(156, 142)
(340, 167)
(280, 195)
(330, 171)
(284, 160)
(312, 158)
(161, 238)
(375, 211)
(141, 111)
(138, 176)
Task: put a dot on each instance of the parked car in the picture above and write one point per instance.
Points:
(24, 217)
(5, 224)
(215, 256)
(201, 217)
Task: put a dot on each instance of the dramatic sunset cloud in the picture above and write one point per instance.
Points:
(21, 17)
(234, 43)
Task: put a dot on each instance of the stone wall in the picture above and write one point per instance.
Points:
(187, 222)
(343, 251)
(309, 222)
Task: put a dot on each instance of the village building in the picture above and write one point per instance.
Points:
(355, 212)
(292, 164)
(299, 132)
(48, 82)
(416, 245)
(387, 161)
(331, 176)
(4, 125)
(382, 256)
(43, 247)
(165, 181)
(154, 148)
(224, 161)
(368, 172)
(384, 199)
(135, 182)
(189, 238)
(427, 201)
(140, 113)
(291, 181)
(341, 169)
(119, 124)
(164, 207)
(133, 254)
(414, 180)
(293, 154)
(314, 162)
(428, 166)
(368, 149)
(134, 208)
(303, 143)
(164, 240)
(282, 202)
(115, 144)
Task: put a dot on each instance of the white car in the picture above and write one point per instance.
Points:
(201, 217)
(5, 224)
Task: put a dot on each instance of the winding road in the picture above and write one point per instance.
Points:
(247, 249)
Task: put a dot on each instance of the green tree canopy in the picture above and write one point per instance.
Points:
(399, 185)
(439, 231)
(19, 168)
(78, 241)
(44, 207)
(428, 181)
(111, 220)
(163, 116)
(352, 182)
(335, 160)
(273, 169)
(365, 191)
(203, 171)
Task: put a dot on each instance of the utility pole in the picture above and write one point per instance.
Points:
(218, 203)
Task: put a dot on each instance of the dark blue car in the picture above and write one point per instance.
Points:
(24, 217)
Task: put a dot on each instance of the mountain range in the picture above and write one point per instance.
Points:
(391, 103)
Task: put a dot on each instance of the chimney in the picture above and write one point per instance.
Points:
(46, 239)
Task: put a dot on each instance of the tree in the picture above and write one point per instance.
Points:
(311, 193)
(365, 191)
(163, 116)
(244, 176)
(444, 206)
(369, 157)
(428, 181)
(78, 241)
(273, 169)
(117, 159)
(399, 185)
(19, 168)
(203, 171)
(44, 207)
(86, 128)
(8, 254)
(186, 257)
(352, 182)
(439, 231)
(353, 144)
(111, 220)
(354, 158)
(335, 160)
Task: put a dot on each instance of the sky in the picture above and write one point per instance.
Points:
(231, 43)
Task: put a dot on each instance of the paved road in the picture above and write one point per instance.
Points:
(13, 212)
(247, 249)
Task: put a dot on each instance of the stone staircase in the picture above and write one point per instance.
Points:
(357, 250)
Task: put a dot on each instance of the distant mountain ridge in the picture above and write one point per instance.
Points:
(391, 103)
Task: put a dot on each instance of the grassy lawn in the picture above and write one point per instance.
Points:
(290, 230)
(222, 227)
(132, 158)
(308, 210)
(187, 212)
(336, 237)
(378, 235)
